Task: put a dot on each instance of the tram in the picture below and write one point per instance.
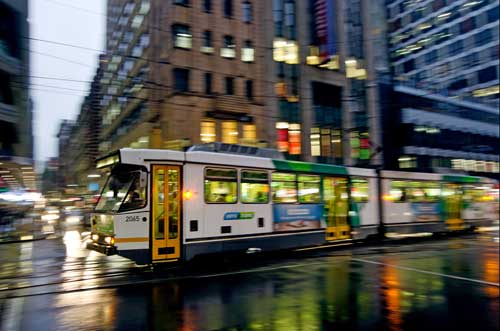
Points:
(165, 206)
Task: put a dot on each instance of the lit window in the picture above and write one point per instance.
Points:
(359, 190)
(249, 134)
(207, 134)
(182, 36)
(254, 186)
(283, 187)
(247, 52)
(315, 142)
(229, 49)
(230, 132)
(220, 185)
(309, 189)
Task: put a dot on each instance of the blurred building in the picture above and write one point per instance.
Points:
(79, 140)
(447, 47)
(323, 68)
(16, 139)
(435, 133)
(184, 72)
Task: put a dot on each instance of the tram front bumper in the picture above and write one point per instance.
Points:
(104, 249)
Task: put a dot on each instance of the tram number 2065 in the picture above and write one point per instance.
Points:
(132, 219)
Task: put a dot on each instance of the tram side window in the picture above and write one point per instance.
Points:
(309, 189)
(221, 185)
(473, 193)
(424, 191)
(359, 189)
(399, 191)
(283, 187)
(254, 186)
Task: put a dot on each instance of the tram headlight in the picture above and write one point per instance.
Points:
(95, 237)
(109, 240)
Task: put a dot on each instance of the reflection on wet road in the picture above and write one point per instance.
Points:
(451, 284)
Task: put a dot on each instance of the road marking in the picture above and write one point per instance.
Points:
(429, 272)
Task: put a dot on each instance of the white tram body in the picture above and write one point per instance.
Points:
(163, 205)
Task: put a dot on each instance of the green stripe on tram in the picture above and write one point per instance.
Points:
(309, 167)
(461, 179)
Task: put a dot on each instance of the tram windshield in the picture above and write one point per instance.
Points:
(125, 189)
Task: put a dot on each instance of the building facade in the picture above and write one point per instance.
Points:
(447, 47)
(184, 72)
(16, 138)
(323, 75)
(430, 132)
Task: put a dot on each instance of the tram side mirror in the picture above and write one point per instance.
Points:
(143, 179)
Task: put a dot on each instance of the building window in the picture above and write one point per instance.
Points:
(247, 11)
(431, 56)
(228, 8)
(483, 37)
(181, 80)
(249, 89)
(247, 52)
(207, 42)
(229, 49)
(229, 85)
(207, 6)
(208, 83)
(207, 132)
(182, 36)
(182, 2)
(487, 74)
(456, 47)
(249, 134)
(230, 132)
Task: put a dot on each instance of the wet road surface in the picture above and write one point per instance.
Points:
(447, 284)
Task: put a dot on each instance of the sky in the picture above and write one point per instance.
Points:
(73, 22)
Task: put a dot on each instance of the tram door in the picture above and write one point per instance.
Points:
(452, 202)
(166, 212)
(336, 208)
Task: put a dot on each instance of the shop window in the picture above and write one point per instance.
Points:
(309, 189)
(254, 186)
(221, 185)
(230, 132)
(359, 190)
(283, 187)
(207, 132)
